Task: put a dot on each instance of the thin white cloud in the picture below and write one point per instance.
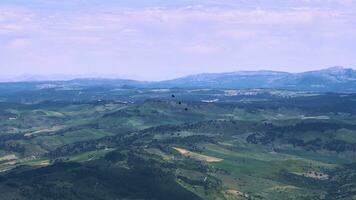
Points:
(202, 49)
(19, 43)
(238, 33)
(100, 20)
(200, 36)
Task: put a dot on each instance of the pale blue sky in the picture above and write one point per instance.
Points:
(156, 39)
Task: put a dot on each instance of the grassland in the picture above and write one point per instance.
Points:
(258, 144)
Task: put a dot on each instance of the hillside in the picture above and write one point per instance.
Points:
(214, 144)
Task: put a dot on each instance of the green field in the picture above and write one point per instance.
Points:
(144, 144)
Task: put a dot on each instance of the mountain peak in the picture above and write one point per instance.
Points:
(335, 69)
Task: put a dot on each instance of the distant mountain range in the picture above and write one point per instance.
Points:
(330, 79)
(335, 79)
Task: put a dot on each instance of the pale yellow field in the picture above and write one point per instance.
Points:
(197, 156)
(236, 193)
(8, 157)
(46, 130)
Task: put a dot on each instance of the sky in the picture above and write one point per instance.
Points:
(157, 40)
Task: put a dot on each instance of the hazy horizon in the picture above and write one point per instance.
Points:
(159, 40)
(65, 77)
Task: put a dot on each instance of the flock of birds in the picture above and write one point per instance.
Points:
(179, 102)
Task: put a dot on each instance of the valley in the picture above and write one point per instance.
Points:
(137, 143)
